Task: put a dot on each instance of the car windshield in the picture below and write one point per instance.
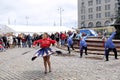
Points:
(85, 31)
(93, 31)
(89, 32)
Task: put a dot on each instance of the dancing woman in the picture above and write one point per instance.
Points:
(45, 50)
(110, 46)
(83, 44)
(70, 43)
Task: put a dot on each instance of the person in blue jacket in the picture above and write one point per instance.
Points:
(70, 42)
(83, 44)
(109, 45)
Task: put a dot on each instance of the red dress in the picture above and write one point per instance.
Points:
(44, 45)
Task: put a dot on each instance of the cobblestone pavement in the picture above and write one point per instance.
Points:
(16, 64)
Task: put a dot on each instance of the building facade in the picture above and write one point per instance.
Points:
(96, 13)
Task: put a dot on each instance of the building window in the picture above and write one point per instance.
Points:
(90, 3)
(107, 7)
(106, 1)
(116, 5)
(98, 8)
(98, 24)
(90, 16)
(98, 1)
(107, 23)
(83, 24)
(82, 8)
(82, 4)
(98, 15)
(83, 17)
(90, 24)
(107, 14)
(90, 10)
(83, 11)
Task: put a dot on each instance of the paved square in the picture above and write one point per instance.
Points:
(16, 64)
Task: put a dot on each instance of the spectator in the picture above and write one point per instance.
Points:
(19, 40)
(57, 37)
(14, 41)
(52, 36)
(10, 40)
(4, 38)
(63, 37)
(29, 40)
(23, 40)
(1, 45)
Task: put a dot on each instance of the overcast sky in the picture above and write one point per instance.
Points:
(39, 12)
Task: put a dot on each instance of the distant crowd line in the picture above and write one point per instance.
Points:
(23, 40)
(26, 40)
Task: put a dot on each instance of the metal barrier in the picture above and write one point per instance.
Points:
(96, 46)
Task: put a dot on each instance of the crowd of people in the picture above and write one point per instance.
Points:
(45, 40)
(11, 41)
(25, 40)
(22, 40)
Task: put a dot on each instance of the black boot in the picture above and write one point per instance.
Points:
(107, 58)
(33, 58)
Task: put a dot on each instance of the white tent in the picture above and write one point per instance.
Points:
(41, 29)
(5, 29)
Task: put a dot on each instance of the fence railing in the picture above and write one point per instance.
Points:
(96, 46)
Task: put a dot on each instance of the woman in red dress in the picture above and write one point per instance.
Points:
(44, 51)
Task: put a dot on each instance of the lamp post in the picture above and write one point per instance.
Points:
(8, 21)
(15, 22)
(60, 12)
(27, 20)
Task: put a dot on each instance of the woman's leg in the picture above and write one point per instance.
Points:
(107, 54)
(115, 52)
(49, 63)
(85, 50)
(81, 52)
(68, 49)
(72, 47)
(45, 63)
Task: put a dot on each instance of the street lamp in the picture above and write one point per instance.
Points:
(60, 12)
(27, 20)
(8, 21)
(15, 22)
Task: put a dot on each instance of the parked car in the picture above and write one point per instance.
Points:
(89, 32)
